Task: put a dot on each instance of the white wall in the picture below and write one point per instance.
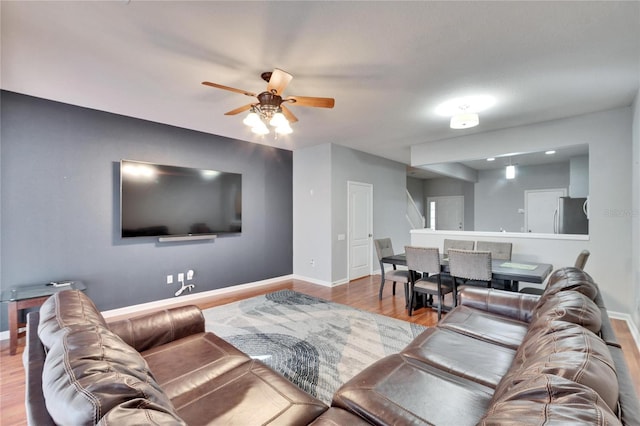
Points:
(635, 211)
(609, 135)
(320, 203)
(312, 213)
(415, 187)
(497, 199)
(389, 180)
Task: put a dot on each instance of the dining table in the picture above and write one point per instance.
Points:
(506, 270)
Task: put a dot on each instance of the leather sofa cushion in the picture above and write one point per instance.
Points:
(251, 394)
(398, 390)
(89, 371)
(335, 416)
(159, 327)
(140, 411)
(549, 400)
(461, 355)
(517, 306)
(486, 326)
(64, 309)
(569, 279)
(183, 367)
(571, 352)
(569, 306)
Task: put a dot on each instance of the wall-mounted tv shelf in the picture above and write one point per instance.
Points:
(186, 238)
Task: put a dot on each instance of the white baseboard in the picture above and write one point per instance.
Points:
(632, 326)
(174, 301)
(178, 301)
(320, 282)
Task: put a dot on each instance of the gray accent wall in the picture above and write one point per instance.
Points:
(60, 204)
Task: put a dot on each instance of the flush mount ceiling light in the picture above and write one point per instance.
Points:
(464, 111)
(464, 121)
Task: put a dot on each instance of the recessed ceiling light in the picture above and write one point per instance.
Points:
(466, 104)
(550, 152)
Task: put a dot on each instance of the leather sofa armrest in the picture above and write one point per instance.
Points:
(33, 360)
(518, 306)
(158, 328)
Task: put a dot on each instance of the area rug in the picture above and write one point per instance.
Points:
(316, 344)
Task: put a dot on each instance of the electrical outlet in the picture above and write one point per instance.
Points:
(189, 274)
(169, 279)
(181, 277)
(312, 263)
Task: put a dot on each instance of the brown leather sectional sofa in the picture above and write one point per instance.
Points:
(498, 358)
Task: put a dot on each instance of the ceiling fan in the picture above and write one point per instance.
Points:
(270, 106)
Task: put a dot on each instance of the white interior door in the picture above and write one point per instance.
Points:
(539, 208)
(446, 213)
(360, 229)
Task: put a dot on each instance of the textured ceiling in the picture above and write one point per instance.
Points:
(387, 64)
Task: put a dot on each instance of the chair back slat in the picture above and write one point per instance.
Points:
(423, 259)
(499, 250)
(582, 258)
(384, 247)
(457, 244)
(470, 265)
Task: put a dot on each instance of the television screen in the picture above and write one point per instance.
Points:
(160, 200)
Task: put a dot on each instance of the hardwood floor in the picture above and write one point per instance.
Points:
(361, 294)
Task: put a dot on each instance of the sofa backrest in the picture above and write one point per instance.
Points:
(563, 341)
(569, 279)
(89, 370)
(551, 400)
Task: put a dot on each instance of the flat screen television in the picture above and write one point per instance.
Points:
(168, 201)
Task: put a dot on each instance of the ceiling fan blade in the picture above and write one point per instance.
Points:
(239, 110)
(311, 101)
(231, 89)
(279, 81)
(288, 114)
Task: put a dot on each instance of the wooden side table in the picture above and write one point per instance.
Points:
(19, 298)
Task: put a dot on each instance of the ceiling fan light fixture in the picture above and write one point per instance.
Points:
(252, 119)
(278, 120)
(284, 129)
(260, 129)
(464, 121)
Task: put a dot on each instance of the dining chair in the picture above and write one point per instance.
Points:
(500, 251)
(426, 261)
(582, 258)
(384, 248)
(471, 267)
(457, 244)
